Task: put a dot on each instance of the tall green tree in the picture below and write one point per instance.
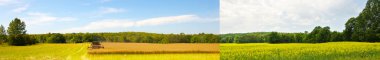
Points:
(313, 36)
(16, 27)
(319, 35)
(17, 33)
(325, 34)
(336, 36)
(236, 39)
(164, 40)
(56, 38)
(3, 35)
(274, 37)
(365, 27)
(347, 33)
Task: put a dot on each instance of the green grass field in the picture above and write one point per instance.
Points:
(79, 52)
(44, 52)
(300, 51)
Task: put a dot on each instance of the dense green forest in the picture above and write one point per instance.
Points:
(318, 35)
(136, 37)
(366, 26)
(16, 35)
(363, 28)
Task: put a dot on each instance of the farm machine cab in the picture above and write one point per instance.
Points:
(96, 45)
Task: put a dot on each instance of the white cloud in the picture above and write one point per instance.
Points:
(239, 16)
(21, 9)
(124, 23)
(36, 18)
(108, 10)
(6, 2)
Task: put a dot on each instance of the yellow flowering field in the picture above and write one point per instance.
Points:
(301, 51)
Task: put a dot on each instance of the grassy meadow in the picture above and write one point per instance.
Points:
(81, 52)
(44, 52)
(301, 51)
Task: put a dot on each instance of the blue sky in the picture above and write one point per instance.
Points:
(157, 16)
(241, 16)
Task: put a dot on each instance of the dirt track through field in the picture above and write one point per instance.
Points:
(149, 48)
(69, 57)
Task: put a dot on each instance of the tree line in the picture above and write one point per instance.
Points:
(363, 28)
(16, 35)
(366, 26)
(135, 37)
(318, 35)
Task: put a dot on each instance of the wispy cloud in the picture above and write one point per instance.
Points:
(18, 6)
(125, 23)
(6, 2)
(284, 15)
(21, 9)
(108, 10)
(35, 18)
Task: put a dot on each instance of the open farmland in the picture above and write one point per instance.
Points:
(150, 51)
(301, 51)
(44, 52)
(80, 52)
(145, 48)
(169, 56)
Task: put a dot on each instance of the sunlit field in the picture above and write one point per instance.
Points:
(301, 51)
(44, 52)
(154, 48)
(80, 52)
(176, 56)
(150, 51)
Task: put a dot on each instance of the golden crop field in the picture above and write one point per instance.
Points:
(144, 48)
(80, 52)
(150, 51)
(301, 51)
